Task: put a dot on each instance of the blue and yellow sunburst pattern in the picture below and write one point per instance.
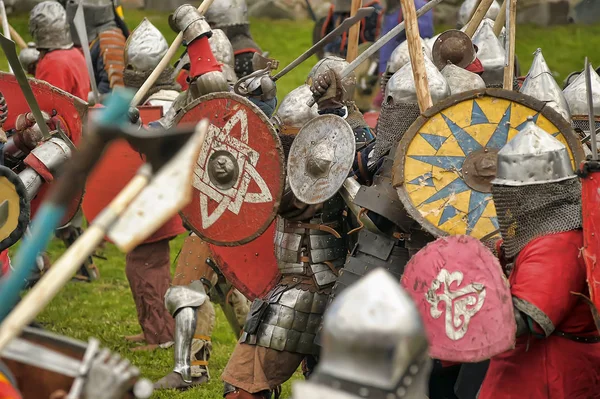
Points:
(433, 161)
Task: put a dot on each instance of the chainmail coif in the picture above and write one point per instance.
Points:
(528, 212)
(394, 121)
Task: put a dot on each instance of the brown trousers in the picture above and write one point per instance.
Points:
(148, 271)
(255, 368)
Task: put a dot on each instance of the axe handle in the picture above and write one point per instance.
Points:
(63, 269)
(478, 16)
(500, 19)
(416, 54)
(509, 69)
(353, 33)
(17, 38)
(165, 61)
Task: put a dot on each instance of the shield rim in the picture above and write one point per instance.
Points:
(24, 209)
(553, 116)
(276, 198)
(348, 162)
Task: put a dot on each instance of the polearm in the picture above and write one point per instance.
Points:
(381, 42)
(591, 117)
(353, 34)
(478, 16)
(511, 33)
(5, 26)
(500, 19)
(162, 65)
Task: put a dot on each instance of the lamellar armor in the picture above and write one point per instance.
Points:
(576, 95)
(535, 190)
(541, 85)
(49, 27)
(231, 16)
(374, 345)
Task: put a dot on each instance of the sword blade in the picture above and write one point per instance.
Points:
(590, 101)
(11, 54)
(79, 23)
(39, 356)
(344, 26)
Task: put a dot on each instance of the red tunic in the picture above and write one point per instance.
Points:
(546, 271)
(65, 69)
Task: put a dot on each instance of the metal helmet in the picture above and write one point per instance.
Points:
(453, 46)
(49, 27)
(576, 94)
(491, 54)
(28, 57)
(99, 16)
(467, 8)
(400, 56)
(145, 47)
(293, 113)
(540, 84)
(373, 346)
(227, 13)
(401, 86)
(461, 80)
(533, 156)
(223, 51)
(337, 64)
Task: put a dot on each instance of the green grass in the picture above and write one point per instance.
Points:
(105, 309)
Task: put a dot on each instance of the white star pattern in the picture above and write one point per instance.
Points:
(220, 139)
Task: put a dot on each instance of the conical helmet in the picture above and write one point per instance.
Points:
(533, 156)
(223, 51)
(491, 54)
(401, 86)
(293, 113)
(490, 22)
(374, 344)
(400, 56)
(461, 80)
(337, 64)
(576, 94)
(49, 27)
(467, 8)
(540, 84)
(145, 47)
(227, 13)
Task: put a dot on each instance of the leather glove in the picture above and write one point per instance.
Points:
(327, 90)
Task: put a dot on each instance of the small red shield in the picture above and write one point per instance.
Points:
(239, 176)
(590, 205)
(252, 267)
(464, 299)
(116, 168)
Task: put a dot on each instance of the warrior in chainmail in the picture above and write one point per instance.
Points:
(538, 202)
(231, 16)
(374, 345)
(576, 96)
(310, 247)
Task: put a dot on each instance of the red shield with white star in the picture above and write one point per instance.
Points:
(464, 299)
(239, 175)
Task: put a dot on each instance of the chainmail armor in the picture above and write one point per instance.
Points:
(165, 81)
(528, 212)
(394, 121)
(355, 118)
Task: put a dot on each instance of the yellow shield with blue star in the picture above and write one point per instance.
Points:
(444, 164)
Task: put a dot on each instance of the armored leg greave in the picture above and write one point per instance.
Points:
(185, 325)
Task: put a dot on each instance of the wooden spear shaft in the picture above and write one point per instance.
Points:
(509, 68)
(353, 33)
(500, 19)
(478, 16)
(165, 61)
(416, 54)
(17, 38)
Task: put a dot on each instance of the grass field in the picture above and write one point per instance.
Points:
(105, 309)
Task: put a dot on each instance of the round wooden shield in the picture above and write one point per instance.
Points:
(446, 161)
(14, 208)
(239, 176)
(252, 267)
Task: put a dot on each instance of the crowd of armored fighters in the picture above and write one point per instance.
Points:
(417, 220)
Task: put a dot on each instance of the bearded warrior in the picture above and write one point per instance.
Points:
(106, 41)
(59, 63)
(538, 203)
(310, 247)
(374, 345)
(231, 16)
(338, 12)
